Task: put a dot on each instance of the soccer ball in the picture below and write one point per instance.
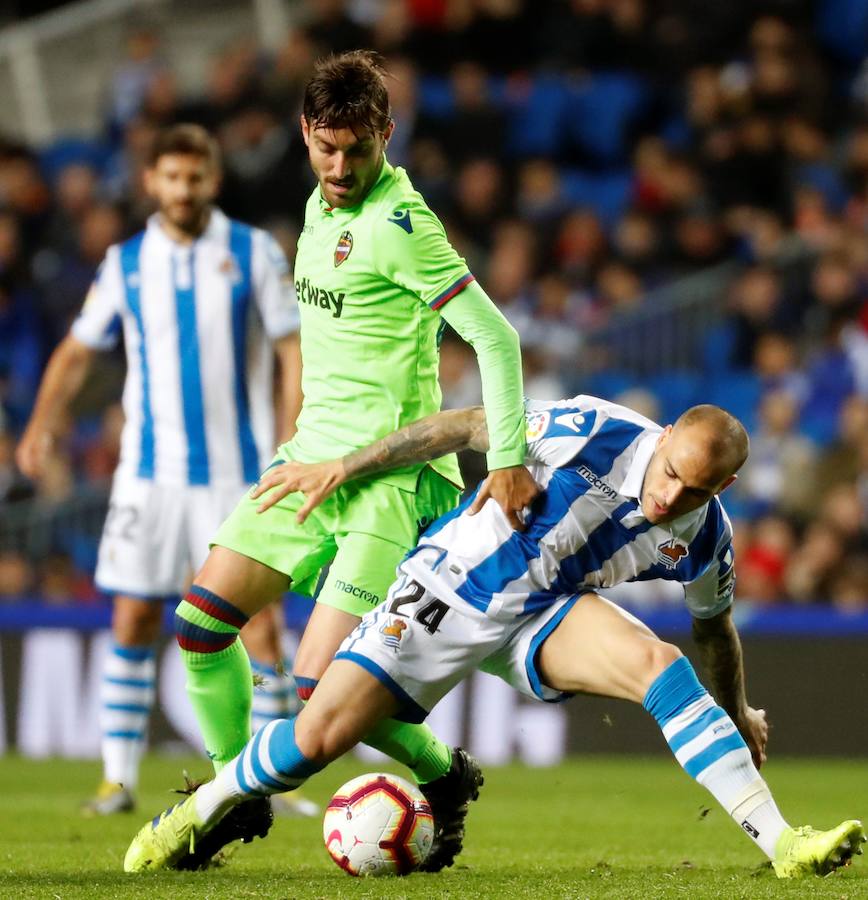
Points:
(378, 825)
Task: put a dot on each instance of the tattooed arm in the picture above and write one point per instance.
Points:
(720, 649)
(429, 438)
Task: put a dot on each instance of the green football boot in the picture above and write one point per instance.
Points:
(162, 842)
(806, 851)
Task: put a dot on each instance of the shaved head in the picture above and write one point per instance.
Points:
(717, 433)
(694, 460)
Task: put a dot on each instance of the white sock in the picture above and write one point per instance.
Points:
(127, 695)
(757, 813)
(270, 763)
(217, 797)
(709, 747)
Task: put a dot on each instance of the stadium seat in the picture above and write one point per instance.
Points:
(716, 349)
(843, 27)
(737, 391)
(69, 151)
(824, 179)
(537, 120)
(435, 97)
(676, 391)
(601, 111)
(830, 381)
(608, 383)
(608, 194)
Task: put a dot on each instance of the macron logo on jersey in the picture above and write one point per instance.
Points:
(593, 479)
(401, 218)
(314, 296)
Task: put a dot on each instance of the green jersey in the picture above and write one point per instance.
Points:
(370, 281)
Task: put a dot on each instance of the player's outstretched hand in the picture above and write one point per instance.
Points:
(315, 480)
(755, 730)
(512, 489)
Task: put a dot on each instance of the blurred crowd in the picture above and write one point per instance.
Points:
(583, 155)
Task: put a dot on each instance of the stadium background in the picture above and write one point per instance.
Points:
(668, 200)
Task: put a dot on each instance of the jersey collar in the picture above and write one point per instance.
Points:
(632, 484)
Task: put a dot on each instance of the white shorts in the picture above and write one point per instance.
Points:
(156, 536)
(420, 648)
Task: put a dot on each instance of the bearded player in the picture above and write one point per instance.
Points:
(376, 279)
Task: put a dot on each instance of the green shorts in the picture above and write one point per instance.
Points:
(364, 530)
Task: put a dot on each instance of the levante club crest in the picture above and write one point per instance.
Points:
(344, 247)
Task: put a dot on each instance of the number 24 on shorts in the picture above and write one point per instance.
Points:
(429, 614)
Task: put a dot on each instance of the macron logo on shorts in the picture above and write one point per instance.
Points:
(348, 588)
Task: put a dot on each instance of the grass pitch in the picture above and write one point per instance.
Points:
(592, 827)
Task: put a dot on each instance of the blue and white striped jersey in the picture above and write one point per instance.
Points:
(585, 530)
(197, 322)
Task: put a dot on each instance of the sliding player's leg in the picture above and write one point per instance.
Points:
(379, 524)
(357, 582)
(448, 777)
(591, 646)
(393, 664)
(274, 693)
(279, 758)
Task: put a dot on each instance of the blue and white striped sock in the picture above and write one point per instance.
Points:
(274, 696)
(127, 695)
(709, 747)
(271, 763)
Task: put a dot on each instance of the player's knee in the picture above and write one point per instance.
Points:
(310, 663)
(136, 622)
(659, 655)
(322, 735)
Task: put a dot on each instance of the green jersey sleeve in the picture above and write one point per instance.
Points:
(412, 251)
(479, 322)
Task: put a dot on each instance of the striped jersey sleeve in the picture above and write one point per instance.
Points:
(412, 251)
(557, 432)
(98, 325)
(711, 593)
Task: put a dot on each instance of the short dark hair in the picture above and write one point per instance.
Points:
(348, 91)
(187, 139)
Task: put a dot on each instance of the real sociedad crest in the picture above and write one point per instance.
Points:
(670, 552)
(344, 247)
